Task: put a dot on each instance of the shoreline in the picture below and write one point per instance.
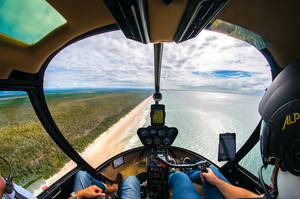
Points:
(110, 139)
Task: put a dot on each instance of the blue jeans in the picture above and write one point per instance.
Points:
(84, 180)
(182, 185)
(130, 188)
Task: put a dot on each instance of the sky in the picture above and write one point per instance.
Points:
(211, 61)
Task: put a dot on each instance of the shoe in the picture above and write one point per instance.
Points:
(187, 160)
(171, 160)
(142, 177)
(118, 181)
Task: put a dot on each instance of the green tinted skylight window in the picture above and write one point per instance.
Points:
(28, 20)
(240, 33)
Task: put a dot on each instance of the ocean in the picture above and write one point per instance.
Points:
(201, 116)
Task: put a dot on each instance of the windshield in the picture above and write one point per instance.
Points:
(210, 85)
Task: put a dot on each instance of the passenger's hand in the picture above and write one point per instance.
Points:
(90, 192)
(209, 176)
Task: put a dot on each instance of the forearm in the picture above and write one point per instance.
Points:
(90, 192)
(231, 192)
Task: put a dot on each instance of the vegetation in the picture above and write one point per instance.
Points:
(80, 116)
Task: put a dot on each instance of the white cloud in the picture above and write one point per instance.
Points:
(111, 60)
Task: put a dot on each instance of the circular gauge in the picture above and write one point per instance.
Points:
(167, 141)
(153, 131)
(144, 133)
(162, 132)
(149, 141)
(170, 132)
(157, 141)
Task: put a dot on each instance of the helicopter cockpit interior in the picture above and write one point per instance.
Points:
(114, 86)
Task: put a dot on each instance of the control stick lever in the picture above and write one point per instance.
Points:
(196, 166)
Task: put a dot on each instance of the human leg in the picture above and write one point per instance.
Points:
(130, 188)
(194, 175)
(211, 191)
(84, 180)
(182, 186)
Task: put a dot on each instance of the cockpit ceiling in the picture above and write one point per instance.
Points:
(276, 21)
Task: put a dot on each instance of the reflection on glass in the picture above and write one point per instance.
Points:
(26, 145)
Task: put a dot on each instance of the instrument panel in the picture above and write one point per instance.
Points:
(153, 136)
(157, 139)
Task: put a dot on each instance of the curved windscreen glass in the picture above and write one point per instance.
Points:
(99, 91)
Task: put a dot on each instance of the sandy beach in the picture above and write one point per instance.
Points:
(108, 144)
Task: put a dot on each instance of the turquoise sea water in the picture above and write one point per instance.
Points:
(201, 116)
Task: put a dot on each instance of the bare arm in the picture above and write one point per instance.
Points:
(90, 192)
(229, 191)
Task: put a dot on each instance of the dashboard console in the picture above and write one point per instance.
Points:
(157, 139)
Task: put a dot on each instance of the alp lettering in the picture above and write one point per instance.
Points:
(290, 119)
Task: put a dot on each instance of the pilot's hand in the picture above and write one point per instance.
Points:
(209, 176)
(90, 192)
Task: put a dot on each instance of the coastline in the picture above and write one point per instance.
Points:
(109, 141)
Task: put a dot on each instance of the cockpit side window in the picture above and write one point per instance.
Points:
(254, 156)
(26, 145)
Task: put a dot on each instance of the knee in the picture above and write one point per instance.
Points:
(130, 182)
(179, 174)
(214, 169)
(81, 175)
(130, 188)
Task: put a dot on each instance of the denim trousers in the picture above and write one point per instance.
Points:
(130, 188)
(84, 180)
(181, 183)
